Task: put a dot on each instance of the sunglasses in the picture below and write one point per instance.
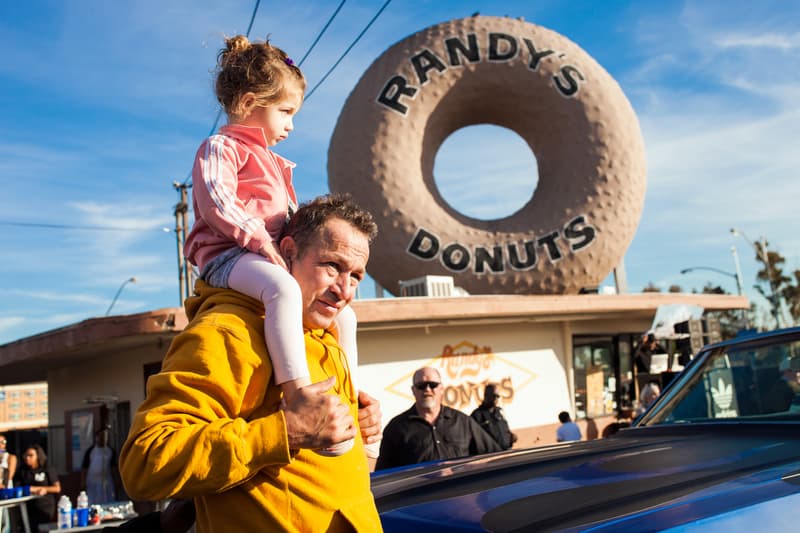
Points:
(422, 385)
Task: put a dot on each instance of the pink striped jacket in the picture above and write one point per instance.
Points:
(241, 193)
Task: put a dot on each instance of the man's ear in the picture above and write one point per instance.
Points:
(288, 248)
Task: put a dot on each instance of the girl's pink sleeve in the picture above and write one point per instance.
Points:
(214, 184)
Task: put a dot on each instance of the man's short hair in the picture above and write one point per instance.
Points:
(311, 216)
(563, 417)
(419, 371)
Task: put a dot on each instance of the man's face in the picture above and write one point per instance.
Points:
(329, 271)
(427, 389)
(492, 398)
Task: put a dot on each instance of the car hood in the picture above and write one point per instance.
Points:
(643, 478)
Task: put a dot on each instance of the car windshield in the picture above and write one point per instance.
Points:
(734, 383)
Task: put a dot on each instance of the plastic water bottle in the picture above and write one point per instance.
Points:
(83, 509)
(64, 512)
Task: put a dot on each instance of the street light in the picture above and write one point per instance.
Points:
(761, 252)
(735, 275)
(718, 271)
(129, 280)
(738, 269)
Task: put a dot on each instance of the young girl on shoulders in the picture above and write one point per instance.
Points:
(243, 196)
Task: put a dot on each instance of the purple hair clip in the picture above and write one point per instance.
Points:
(289, 61)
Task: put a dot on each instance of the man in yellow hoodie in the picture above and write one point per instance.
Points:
(213, 427)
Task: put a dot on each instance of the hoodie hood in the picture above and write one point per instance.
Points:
(207, 298)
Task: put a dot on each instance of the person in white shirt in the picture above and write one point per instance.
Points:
(8, 466)
(99, 472)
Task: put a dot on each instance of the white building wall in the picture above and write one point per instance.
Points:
(115, 376)
(526, 360)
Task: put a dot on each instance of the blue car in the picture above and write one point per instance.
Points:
(718, 451)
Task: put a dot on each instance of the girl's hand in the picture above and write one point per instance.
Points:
(274, 255)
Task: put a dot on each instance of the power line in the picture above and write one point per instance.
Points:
(308, 95)
(219, 111)
(321, 32)
(305, 56)
(252, 18)
(68, 226)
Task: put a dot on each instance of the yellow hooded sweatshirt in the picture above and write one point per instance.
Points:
(211, 429)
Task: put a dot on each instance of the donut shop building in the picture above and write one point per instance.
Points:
(546, 353)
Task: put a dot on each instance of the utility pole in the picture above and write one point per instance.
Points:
(775, 297)
(739, 288)
(185, 280)
(620, 278)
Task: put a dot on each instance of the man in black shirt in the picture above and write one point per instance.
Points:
(645, 351)
(490, 417)
(429, 430)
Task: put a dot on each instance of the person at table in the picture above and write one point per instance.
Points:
(43, 480)
(8, 466)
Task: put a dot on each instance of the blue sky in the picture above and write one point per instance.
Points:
(103, 105)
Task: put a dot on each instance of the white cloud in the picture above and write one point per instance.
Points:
(56, 296)
(767, 40)
(8, 323)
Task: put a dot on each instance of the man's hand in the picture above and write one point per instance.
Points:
(369, 417)
(316, 420)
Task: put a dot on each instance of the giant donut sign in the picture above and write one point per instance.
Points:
(489, 70)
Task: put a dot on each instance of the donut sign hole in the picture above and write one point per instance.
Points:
(486, 172)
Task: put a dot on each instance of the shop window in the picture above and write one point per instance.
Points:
(603, 377)
(595, 378)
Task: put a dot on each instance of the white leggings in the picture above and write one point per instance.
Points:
(256, 277)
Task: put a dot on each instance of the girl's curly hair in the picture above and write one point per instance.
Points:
(254, 67)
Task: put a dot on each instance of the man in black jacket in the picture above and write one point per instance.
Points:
(429, 430)
(490, 417)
